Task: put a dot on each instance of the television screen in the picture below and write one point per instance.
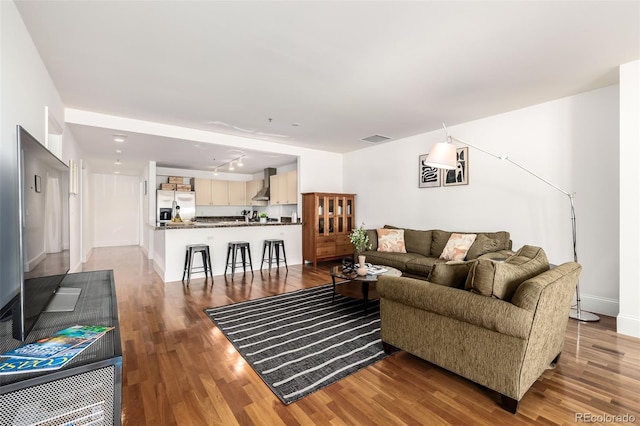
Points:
(44, 225)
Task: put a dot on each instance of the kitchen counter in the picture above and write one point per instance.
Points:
(170, 241)
(221, 224)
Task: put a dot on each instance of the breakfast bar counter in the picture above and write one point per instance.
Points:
(170, 242)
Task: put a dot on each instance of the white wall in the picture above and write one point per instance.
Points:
(629, 317)
(116, 210)
(572, 142)
(26, 92)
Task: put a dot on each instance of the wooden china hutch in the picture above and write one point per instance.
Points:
(327, 221)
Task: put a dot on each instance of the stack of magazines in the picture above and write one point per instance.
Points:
(51, 353)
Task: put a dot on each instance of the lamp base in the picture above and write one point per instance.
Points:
(583, 316)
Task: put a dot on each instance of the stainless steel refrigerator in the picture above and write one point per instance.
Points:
(164, 203)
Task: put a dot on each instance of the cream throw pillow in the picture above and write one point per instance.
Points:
(457, 246)
(391, 240)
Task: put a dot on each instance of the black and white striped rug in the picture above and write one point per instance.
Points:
(301, 341)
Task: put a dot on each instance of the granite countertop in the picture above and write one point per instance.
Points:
(220, 224)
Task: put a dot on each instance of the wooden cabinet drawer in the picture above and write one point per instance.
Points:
(326, 240)
(329, 250)
(343, 240)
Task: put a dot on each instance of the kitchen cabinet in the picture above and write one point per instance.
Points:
(202, 187)
(327, 221)
(237, 193)
(284, 188)
(216, 192)
(219, 192)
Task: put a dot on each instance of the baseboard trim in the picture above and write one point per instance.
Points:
(158, 269)
(599, 305)
(628, 325)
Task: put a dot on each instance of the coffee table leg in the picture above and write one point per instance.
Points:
(333, 296)
(365, 293)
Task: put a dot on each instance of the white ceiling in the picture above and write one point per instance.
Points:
(321, 74)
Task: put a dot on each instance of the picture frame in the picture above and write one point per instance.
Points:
(38, 183)
(428, 177)
(459, 175)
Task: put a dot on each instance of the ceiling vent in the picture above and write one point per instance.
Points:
(375, 139)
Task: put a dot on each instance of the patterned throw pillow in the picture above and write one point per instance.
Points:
(457, 246)
(391, 240)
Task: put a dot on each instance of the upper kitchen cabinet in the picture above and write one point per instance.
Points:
(284, 188)
(237, 193)
(220, 192)
(202, 187)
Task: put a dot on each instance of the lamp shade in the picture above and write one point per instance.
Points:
(443, 156)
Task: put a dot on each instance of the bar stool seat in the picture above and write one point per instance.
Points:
(232, 249)
(192, 249)
(268, 248)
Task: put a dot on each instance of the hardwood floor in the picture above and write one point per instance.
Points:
(178, 369)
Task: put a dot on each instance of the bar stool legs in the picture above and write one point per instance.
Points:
(268, 247)
(232, 250)
(188, 261)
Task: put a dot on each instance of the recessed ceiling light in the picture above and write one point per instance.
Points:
(118, 139)
(118, 151)
(116, 172)
(117, 162)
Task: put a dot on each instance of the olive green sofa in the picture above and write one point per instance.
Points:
(423, 249)
(503, 329)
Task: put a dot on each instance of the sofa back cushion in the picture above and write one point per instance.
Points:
(373, 239)
(501, 279)
(450, 274)
(439, 240)
(415, 241)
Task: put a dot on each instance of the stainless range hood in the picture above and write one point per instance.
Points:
(263, 194)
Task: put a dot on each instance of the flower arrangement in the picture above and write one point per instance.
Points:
(360, 240)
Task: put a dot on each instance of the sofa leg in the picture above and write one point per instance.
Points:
(389, 349)
(555, 360)
(509, 404)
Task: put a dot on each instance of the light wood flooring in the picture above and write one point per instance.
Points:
(178, 368)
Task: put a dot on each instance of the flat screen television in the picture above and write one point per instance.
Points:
(43, 203)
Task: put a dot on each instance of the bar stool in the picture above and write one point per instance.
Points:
(192, 249)
(274, 245)
(232, 250)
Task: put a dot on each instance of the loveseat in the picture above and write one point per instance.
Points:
(423, 249)
(502, 328)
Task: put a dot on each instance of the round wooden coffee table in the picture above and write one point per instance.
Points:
(350, 276)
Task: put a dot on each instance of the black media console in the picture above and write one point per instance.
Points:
(88, 390)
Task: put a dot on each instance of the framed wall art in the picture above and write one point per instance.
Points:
(428, 177)
(459, 175)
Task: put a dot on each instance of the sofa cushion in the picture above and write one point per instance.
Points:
(483, 245)
(418, 241)
(439, 240)
(457, 246)
(501, 279)
(450, 274)
(395, 260)
(422, 265)
(373, 238)
(391, 240)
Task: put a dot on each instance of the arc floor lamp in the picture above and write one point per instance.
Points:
(443, 156)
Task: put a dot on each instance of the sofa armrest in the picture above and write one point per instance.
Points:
(528, 293)
(486, 312)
